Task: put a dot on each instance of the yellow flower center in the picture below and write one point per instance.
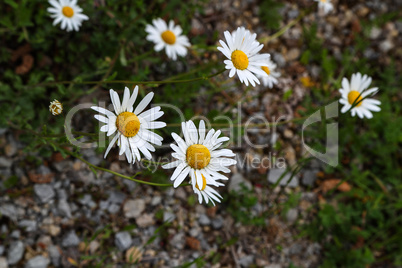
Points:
(68, 11)
(239, 59)
(169, 37)
(355, 96)
(198, 156)
(323, 1)
(128, 124)
(204, 183)
(266, 69)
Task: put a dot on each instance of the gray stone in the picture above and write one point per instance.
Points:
(3, 262)
(5, 163)
(293, 54)
(62, 166)
(94, 160)
(113, 208)
(309, 177)
(123, 240)
(145, 220)
(375, 33)
(168, 216)
(1, 250)
(204, 220)
(85, 200)
(103, 204)
(54, 255)
(217, 223)
(44, 170)
(44, 192)
(295, 249)
(156, 200)
(386, 46)
(70, 240)
(178, 241)
(236, 182)
(246, 261)
(275, 174)
(15, 234)
(292, 14)
(180, 193)
(86, 176)
(37, 262)
(116, 197)
(9, 211)
(57, 185)
(291, 215)
(28, 225)
(64, 208)
(93, 246)
(313, 249)
(130, 184)
(62, 194)
(15, 252)
(133, 208)
(194, 232)
(274, 265)
(279, 59)
(170, 192)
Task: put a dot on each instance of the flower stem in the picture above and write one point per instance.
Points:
(132, 178)
(128, 82)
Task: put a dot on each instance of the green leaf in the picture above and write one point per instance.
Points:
(123, 59)
(11, 3)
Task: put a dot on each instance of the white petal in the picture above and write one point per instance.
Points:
(144, 103)
(112, 142)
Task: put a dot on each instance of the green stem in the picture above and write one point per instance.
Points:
(248, 125)
(128, 82)
(284, 29)
(132, 178)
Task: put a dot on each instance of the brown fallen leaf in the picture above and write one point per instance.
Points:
(40, 178)
(58, 157)
(20, 51)
(211, 211)
(193, 243)
(328, 185)
(26, 65)
(72, 261)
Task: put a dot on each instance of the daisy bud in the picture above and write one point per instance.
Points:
(55, 107)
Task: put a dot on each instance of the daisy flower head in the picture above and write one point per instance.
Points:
(198, 155)
(132, 128)
(325, 5)
(241, 49)
(68, 13)
(55, 107)
(355, 92)
(167, 37)
(270, 79)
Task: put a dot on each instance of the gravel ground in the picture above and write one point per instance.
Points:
(59, 204)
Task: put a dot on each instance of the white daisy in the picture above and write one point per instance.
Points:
(198, 156)
(325, 5)
(241, 50)
(270, 79)
(55, 107)
(355, 92)
(68, 13)
(168, 37)
(132, 129)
